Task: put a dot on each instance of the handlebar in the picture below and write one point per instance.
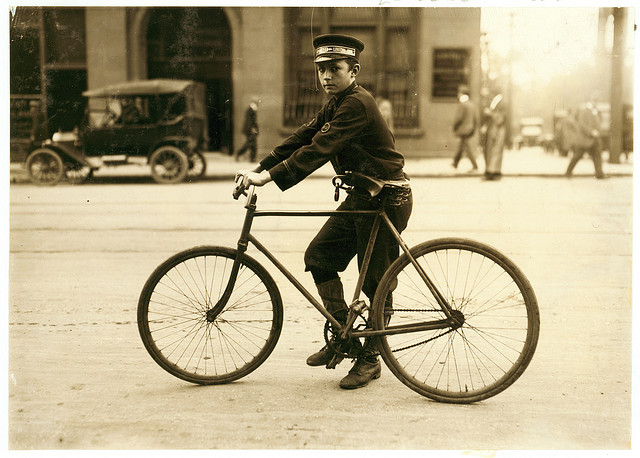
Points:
(241, 190)
(338, 181)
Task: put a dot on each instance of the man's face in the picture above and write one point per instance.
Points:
(335, 76)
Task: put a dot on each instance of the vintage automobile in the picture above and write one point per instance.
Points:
(158, 122)
(531, 132)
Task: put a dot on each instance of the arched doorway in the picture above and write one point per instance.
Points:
(195, 43)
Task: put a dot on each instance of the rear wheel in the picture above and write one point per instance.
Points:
(498, 316)
(169, 165)
(197, 166)
(182, 332)
(77, 173)
(45, 167)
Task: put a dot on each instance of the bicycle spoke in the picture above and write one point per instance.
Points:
(189, 342)
(493, 342)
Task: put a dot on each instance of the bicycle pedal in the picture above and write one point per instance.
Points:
(335, 360)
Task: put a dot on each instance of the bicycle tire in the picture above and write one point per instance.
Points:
(497, 340)
(173, 324)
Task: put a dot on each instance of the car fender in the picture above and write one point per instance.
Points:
(67, 152)
(186, 144)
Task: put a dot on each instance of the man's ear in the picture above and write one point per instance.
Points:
(356, 69)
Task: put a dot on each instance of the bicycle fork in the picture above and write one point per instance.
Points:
(243, 244)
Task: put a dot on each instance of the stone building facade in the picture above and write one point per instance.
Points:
(415, 57)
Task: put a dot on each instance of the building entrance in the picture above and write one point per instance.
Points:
(195, 43)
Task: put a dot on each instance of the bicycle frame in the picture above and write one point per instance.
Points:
(380, 217)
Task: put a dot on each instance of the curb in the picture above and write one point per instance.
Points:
(532, 164)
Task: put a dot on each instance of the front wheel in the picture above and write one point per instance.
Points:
(44, 167)
(169, 165)
(494, 304)
(183, 336)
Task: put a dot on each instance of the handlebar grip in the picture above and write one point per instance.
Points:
(240, 189)
(238, 192)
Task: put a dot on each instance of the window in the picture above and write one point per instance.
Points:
(65, 36)
(389, 61)
(25, 51)
(24, 73)
(451, 68)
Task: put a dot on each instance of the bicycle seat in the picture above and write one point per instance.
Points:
(371, 185)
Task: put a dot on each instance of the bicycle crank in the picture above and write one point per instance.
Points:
(350, 347)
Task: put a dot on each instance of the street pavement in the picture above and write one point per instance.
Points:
(527, 162)
(80, 378)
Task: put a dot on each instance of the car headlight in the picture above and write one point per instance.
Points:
(64, 137)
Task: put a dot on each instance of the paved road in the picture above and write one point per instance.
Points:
(79, 377)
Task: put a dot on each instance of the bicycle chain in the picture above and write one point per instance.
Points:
(331, 344)
(424, 341)
(416, 310)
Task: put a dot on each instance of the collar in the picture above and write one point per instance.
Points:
(338, 97)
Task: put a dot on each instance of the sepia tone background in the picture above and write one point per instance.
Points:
(79, 377)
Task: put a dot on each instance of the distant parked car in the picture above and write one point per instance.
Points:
(161, 122)
(530, 132)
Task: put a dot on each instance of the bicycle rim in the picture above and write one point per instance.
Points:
(183, 340)
(501, 321)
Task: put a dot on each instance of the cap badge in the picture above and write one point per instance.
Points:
(336, 50)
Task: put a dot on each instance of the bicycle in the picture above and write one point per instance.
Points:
(464, 325)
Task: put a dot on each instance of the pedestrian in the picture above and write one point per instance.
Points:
(464, 126)
(351, 133)
(566, 133)
(496, 135)
(587, 138)
(250, 131)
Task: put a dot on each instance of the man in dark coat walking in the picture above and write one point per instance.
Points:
(464, 126)
(250, 130)
(587, 138)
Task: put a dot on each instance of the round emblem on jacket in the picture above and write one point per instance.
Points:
(325, 128)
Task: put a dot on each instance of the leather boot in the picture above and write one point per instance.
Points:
(332, 296)
(363, 371)
(368, 366)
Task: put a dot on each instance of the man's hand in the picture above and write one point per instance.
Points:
(253, 178)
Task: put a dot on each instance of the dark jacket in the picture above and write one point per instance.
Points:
(250, 126)
(349, 131)
(464, 124)
(588, 122)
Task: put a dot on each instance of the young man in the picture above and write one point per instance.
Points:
(250, 130)
(350, 132)
(464, 126)
(587, 138)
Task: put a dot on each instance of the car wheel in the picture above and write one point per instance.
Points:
(169, 165)
(45, 167)
(77, 173)
(197, 166)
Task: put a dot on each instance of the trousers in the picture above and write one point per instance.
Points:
(464, 149)
(345, 236)
(595, 151)
(250, 144)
